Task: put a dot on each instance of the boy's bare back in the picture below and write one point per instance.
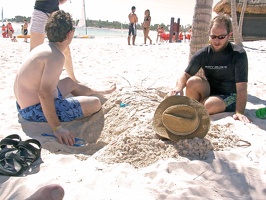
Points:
(41, 68)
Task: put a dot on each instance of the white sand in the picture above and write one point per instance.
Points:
(124, 159)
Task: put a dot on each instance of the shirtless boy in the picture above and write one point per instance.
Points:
(39, 92)
(132, 29)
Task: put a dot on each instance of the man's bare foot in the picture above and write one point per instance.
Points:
(48, 192)
(108, 91)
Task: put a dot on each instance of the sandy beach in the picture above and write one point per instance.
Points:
(123, 158)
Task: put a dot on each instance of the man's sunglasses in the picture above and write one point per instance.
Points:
(220, 37)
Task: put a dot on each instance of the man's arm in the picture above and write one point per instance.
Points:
(136, 18)
(48, 84)
(46, 95)
(241, 101)
(241, 89)
(180, 84)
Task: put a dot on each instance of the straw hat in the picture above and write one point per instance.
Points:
(179, 117)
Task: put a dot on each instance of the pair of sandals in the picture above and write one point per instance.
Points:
(16, 156)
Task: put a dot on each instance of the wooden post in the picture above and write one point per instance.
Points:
(178, 29)
(171, 30)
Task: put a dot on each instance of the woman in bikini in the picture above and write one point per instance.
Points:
(146, 26)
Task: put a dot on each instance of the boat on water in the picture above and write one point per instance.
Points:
(82, 24)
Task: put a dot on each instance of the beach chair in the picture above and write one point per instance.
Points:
(164, 37)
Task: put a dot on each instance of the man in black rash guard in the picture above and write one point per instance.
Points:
(226, 70)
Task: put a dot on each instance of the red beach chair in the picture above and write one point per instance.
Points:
(165, 36)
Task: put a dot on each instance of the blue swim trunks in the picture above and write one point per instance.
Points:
(66, 109)
(230, 102)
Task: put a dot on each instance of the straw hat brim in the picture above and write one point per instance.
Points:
(203, 115)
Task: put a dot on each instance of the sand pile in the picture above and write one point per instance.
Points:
(129, 132)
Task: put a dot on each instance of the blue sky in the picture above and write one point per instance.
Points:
(113, 10)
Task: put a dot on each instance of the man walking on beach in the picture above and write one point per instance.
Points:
(226, 69)
(132, 29)
(39, 93)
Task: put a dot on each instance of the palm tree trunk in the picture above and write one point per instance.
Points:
(200, 27)
(244, 5)
(237, 40)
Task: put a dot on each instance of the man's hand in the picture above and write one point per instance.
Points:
(175, 92)
(64, 136)
(241, 117)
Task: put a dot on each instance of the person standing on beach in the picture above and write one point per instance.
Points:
(40, 94)
(22, 30)
(226, 69)
(10, 30)
(146, 26)
(160, 30)
(132, 29)
(4, 32)
(25, 30)
(42, 10)
(189, 34)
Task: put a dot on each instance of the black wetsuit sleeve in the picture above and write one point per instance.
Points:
(241, 66)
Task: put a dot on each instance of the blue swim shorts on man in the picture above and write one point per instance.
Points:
(67, 110)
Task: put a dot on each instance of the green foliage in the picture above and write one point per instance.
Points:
(19, 19)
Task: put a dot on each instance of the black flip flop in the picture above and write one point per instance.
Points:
(19, 159)
(8, 145)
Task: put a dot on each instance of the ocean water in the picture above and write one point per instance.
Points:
(95, 32)
(102, 32)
